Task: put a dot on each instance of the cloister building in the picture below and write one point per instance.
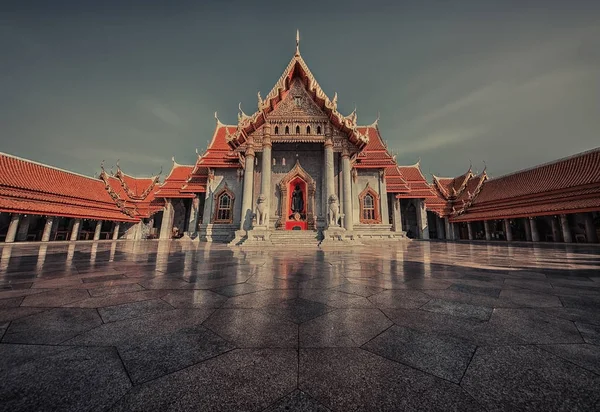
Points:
(298, 169)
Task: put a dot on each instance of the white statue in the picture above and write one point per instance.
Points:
(334, 210)
(262, 211)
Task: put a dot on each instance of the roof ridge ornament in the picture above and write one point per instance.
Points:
(217, 119)
(297, 42)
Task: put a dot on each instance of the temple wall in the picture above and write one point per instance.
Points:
(311, 160)
(372, 178)
(222, 177)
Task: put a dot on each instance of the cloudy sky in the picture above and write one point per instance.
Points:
(509, 83)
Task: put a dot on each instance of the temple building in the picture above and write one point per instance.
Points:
(298, 169)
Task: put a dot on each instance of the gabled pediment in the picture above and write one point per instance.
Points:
(297, 103)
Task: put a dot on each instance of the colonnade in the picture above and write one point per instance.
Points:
(560, 230)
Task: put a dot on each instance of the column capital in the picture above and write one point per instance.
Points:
(345, 151)
(266, 141)
(250, 152)
(328, 141)
(328, 130)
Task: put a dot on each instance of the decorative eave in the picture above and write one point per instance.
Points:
(247, 124)
(121, 177)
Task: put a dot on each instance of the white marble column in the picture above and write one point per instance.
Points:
(422, 219)
(265, 173)
(13, 226)
(486, 228)
(555, 229)
(455, 231)
(439, 227)
(470, 230)
(47, 229)
(75, 230)
(166, 226)
(23, 229)
(527, 229)
(193, 219)
(97, 230)
(535, 235)
(347, 182)
(448, 229)
(590, 230)
(396, 215)
(246, 213)
(116, 228)
(566, 230)
(508, 230)
(329, 169)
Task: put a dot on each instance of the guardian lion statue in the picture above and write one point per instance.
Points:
(262, 210)
(334, 210)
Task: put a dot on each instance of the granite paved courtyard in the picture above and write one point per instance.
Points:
(418, 326)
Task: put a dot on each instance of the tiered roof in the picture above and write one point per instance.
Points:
(33, 188)
(134, 196)
(568, 185)
(174, 182)
(296, 68)
(455, 193)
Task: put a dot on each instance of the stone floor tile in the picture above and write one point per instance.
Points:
(86, 379)
(240, 380)
(298, 310)
(493, 292)
(478, 300)
(253, 328)
(360, 290)
(194, 299)
(464, 310)
(113, 290)
(12, 293)
(261, 298)
(581, 302)
(132, 310)
(590, 333)
(52, 326)
(472, 330)
(297, 401)
(514, 378)
(528, 298)
(585, 355)
(336, 299)
(576, 315)
(445, 357)
(352, 379)
(535, 326)
(343, 328)
(9, 314)
(55, 298)
(237, 289)
(395, 298)
(117, 299)
(165, 353)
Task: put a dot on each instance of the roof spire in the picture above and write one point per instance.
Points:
(297, 42)
(217, 119)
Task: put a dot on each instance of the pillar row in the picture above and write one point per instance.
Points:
(12, 228)
(166, 226)
(116, 229)
(566, 230)
(486, 227)
(422, 220)
(396, 215)
(508, 230)
(470, 230)
(265, 174)
(347, 182)
(535, 235)
(97, 230)
(590, 230)
(75, 230)
(246, 213)
(555, 229)
(47, 229)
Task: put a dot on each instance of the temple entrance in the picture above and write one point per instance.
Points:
(297, 200)
(296, 212)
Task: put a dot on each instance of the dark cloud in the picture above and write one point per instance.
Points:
(511, 85)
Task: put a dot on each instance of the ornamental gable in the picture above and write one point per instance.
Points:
(296, 105)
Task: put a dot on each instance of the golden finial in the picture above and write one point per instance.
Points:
(297, 42)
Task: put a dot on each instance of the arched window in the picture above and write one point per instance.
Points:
(297, 129)
(307, 129)
(369, 206)
(318, 129)
(276, 129)
(287, 129)
(224, 206)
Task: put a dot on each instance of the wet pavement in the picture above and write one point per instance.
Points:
(417, 326)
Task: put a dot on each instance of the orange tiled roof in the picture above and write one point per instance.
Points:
(173, 183)
(35, 188)
(567, 185)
